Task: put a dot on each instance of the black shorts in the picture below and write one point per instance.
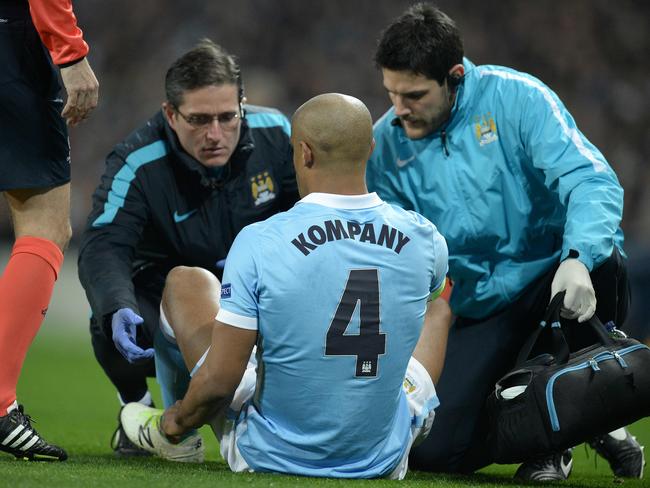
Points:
(34, 148)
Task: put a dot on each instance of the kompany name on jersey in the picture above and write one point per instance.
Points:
(335, 230)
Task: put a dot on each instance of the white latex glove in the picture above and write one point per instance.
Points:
(580, 298)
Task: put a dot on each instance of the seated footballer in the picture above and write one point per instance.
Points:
(317, 356)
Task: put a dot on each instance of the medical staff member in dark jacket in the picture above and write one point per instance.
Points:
(176, 192)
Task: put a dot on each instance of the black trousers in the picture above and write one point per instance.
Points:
(479, 352)
(130, 379)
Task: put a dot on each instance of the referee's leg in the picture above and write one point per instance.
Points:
(42, 228)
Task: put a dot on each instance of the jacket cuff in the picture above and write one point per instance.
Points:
(71, 63)
(581, 255)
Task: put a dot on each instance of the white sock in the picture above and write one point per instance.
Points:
(168, 332)
(12, 407)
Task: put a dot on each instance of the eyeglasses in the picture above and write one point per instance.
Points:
(227, 120)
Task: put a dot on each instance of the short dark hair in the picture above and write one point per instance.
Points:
(423, 40)
(204, 65)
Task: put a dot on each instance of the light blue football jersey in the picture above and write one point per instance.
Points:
(337, 288)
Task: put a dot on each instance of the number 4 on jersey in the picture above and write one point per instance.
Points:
(361, 288)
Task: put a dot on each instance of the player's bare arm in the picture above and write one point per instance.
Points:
(431, 347)
(215, 382)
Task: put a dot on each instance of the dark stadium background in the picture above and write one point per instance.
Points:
(593, 53)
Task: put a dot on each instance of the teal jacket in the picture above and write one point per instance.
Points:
(509, 181)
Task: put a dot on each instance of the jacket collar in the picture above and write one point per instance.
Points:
(464, 94)
(242, 152)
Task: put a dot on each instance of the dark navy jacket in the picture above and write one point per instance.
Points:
(157, 207)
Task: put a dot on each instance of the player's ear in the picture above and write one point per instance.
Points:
(307, 154)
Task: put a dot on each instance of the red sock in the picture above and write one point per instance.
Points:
(25, 292)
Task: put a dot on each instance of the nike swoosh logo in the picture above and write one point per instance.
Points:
(403, 162)
(178, 218)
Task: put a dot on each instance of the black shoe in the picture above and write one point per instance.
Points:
(18, 437)
(121, 444)
(556, 467)
(625, 456)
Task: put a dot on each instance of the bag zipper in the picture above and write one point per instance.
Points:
(590, 363)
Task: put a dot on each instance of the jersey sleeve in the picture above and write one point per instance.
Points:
(441, 264)
(57, 27)
(239, 296)
(576, 171)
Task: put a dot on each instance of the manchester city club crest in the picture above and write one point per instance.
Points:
(485, 129)
(262, 188)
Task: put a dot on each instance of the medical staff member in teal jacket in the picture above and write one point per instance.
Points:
(529, 207)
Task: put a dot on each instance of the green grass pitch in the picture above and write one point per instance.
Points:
(73, 403)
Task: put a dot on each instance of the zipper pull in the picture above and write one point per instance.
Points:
(443, 139)
(620, 360)
(614, 333)
(594, 364)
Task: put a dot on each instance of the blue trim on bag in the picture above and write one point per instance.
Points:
(590, 363)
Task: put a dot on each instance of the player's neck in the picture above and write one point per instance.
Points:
(339, 185)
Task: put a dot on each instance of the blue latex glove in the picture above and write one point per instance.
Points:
(124, 323)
